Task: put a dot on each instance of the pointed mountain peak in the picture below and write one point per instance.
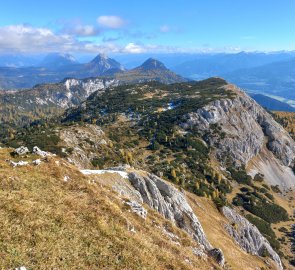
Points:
(152, 63)
(103, 64)
(100, 57)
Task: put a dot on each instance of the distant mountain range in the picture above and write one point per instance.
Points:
(272, 104)
(208, 65)
(25, 105)
(268, 74)
(56, 67)
(264, 73)
(277, 78)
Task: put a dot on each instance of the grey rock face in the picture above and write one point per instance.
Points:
(81, 89)
(248, 236)
(199, 252)
(246, 126)
(172, 204)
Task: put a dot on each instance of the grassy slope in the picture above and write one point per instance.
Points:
(47, 223)
(287, 120)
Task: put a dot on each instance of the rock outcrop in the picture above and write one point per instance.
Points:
(242, 129)
(169, 202)
(140, 187)
(246, 126)
(87, 86)
(84, 141)
(248, 236)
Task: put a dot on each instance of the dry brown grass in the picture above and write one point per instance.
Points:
(47, 223)
(287, 119)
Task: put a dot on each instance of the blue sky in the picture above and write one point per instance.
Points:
(127, 26)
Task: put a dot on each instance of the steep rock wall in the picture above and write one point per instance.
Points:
(244, 130)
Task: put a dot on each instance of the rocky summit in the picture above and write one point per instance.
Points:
(152, 63)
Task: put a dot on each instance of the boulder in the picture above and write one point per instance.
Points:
(21, 151)
(39, 152)
(218, 256)
(36, 162)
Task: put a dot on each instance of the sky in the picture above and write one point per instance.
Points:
(133, 27)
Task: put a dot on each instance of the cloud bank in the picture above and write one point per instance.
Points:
(29, 39)
(77, 37)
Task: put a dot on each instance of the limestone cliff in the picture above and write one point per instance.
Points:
(244, 130)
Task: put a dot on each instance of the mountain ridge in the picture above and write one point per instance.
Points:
(57, 68)
(100, 66)
(207, 138)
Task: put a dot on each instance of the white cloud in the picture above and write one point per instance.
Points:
(134, 48)
(29, 39)
(113, 22)
(26, 38)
